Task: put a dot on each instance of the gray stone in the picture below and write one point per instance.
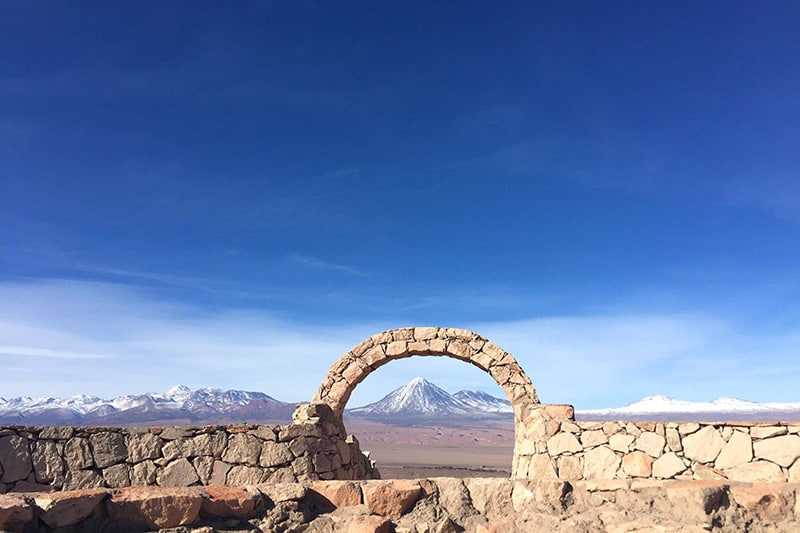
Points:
(178, 473)
(108, 448)
(203, 466)
(172, 433)
(117, 476)
(78, 454)
(177, 448)
(704, 445)
(219, 473)
(246, 475)
(242, 448)
(275, 454)
(211, 444)
(82, 479)
(15, 458)
(56, 432)
(143, 446)
(144, 473)
(47, 463)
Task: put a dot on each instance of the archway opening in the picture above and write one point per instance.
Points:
(433, 416)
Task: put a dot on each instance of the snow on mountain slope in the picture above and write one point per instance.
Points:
(482, 401)
(205, 404)
(418, 396)
(720, 409)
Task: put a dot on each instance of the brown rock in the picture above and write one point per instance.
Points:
(282, 492)
(246, 475)
(637, 464)
(783, 450)
(570, 467)
(15, 513)
(673, 439)
(77, 454)
(338, 493)
(590, 439)
(155, 507)
(242, 448)
(390, 498)
(117, 476)
(541, 467)
(143, 446)
(274, 454)
(63, 509)
(143, 473)
(766, 500)
(738, 450)
(226, 501)
(703, 446)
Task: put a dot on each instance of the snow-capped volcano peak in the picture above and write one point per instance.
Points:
(418, 396)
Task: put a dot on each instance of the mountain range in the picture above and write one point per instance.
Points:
(418, 402)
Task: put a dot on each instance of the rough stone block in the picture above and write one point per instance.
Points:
(178, 473)
(563, 443)
(117, 476)
(82, 479)
(226, 501)
(275, 454)
(783, 450)
(15, 513)
(637, 464)
(78, 454)
(47, 463)
(600, 463)
(590, 439)
(143, 446)
(338, 493)
(241, 475)
(668, 466)
(765, 500)
(108, 448)
(15, 458)
(651, 443)
(154, 507)
(64, 509)
(765, 432)
(738, 450)
(390, 498)
(244, 449)
(755, 471)
(621, 442)
(704, 445)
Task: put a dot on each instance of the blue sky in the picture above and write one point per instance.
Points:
(233, 196)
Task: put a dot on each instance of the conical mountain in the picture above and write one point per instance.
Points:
(417, 397)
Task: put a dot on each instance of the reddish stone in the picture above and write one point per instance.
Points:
(62, 509)
(370, 524)
(391, 498)
(227, 501)
(339, 493)
(766, 500)
(15, 514)
(156, 507)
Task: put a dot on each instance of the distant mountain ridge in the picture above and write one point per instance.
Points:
(179, 405)
(664, 408)
(417, 402)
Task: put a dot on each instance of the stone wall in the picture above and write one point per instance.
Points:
(739, 451)
(66, 458)
(481, 505)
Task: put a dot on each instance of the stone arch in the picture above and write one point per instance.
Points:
(531, 430)
(354, 366)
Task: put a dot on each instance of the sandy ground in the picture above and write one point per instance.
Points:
(414, 452)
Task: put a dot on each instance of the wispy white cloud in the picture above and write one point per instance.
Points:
(52, 332)
(325, 265)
